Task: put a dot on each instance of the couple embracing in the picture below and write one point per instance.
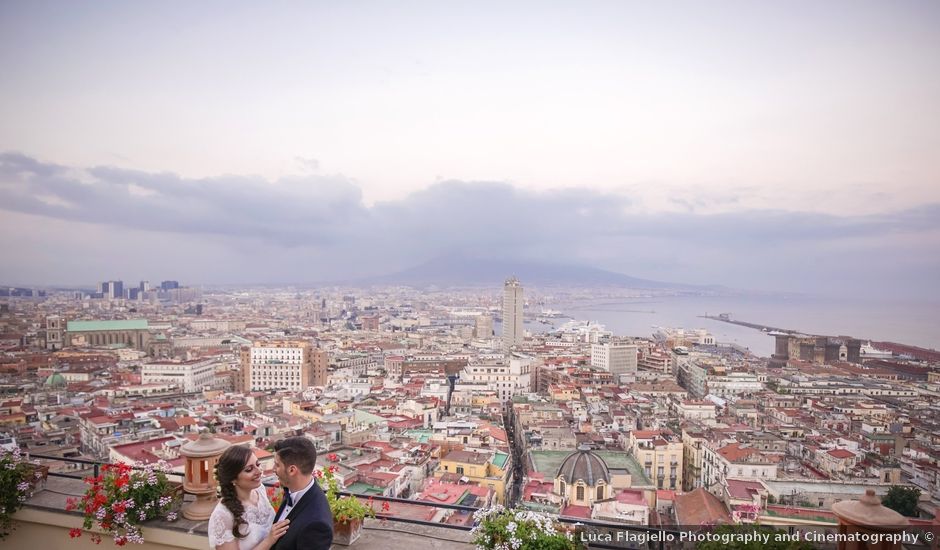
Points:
(245, 519)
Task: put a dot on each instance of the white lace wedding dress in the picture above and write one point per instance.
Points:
(259, 518)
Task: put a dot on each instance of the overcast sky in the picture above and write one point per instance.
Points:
(779, 146)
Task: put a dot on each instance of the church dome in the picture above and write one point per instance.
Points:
(584, 465)
(56, 380)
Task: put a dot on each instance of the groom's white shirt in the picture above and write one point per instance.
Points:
(295, 498)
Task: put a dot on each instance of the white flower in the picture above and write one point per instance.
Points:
(134, 536)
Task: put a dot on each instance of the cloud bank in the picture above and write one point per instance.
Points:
(85, 224)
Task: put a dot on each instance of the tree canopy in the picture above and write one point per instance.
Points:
(902, 500)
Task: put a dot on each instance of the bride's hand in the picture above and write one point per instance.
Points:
(278, 530)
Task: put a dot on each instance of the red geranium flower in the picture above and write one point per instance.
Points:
(108, 498)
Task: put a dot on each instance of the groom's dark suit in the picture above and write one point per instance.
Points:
(311, 523)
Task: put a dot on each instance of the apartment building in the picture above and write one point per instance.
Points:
(286, 364)
(617, 357)
(506, 378)
(734, 460)
(660, 454)
(188, 376)
(490, 469)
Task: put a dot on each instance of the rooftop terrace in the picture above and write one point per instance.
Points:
(43, 523)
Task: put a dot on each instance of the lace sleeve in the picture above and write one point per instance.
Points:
(220, 526)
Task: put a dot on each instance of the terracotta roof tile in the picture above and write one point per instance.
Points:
(699, 508)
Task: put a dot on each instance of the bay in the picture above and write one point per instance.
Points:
(915, 323)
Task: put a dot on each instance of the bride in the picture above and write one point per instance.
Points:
(242, 520)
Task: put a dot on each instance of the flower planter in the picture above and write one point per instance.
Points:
(19, 479)
(347, 533)
(120, 499)
(498, 527)
(348, 512)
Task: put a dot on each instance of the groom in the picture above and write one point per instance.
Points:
(304, 504)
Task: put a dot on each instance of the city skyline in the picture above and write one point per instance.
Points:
(607, 399)
(405, 367)
(774, 148)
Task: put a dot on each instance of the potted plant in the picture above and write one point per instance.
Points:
(119, 500)
(499, 528)
(18, 476)
(348, 512)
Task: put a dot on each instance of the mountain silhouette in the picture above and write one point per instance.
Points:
(460, 271)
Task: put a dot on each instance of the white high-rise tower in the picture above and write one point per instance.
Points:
(512, 313)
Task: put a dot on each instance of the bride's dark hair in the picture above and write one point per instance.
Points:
(231, 463)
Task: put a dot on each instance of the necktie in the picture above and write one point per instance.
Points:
(286, 503)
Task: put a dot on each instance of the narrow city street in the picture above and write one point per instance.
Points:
(516, 449)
